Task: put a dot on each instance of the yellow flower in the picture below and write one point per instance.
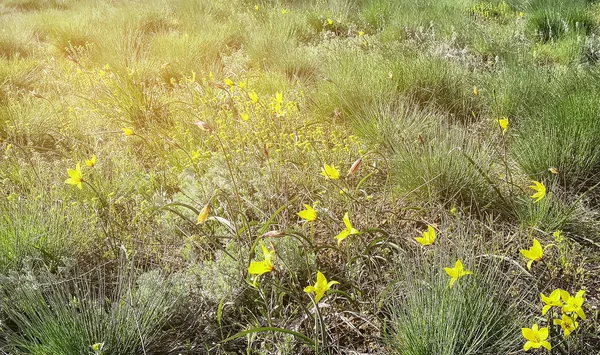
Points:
(330, 172)
(75, 176)
(91, 162)
(573, 304)
(540, 190)
(475, 91)
(308, 214)
(203, 215)
(97, 348)
(284, 11)
(503, 123)
(128, 131)
(428, 237)
(229, 82)
(253, 96)
(320, 287)
(348, 231)
(265, 265)
(552, 301)
(456, 272)
(361, 33)
(256, 7)
(329, 21)
(535, 253)
(567, 323)
(535, 338)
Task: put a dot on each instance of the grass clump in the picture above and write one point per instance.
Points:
(55, 316)
(560, 131)
(427, 317)
(29, 228)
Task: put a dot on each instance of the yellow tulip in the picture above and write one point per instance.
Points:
(428, 237)
(308, 214)
(552, 301)
(330, 172)
(91, 162)
(128, 131)
(456, 272)
(262, 266)
(203, 215)
(535, 338)
(348, 231)
(320, 287)
(573, 304)
(567, 324)
(253, 96)
(503, 123)
(540, 190)
(75, 176)
(535, 253)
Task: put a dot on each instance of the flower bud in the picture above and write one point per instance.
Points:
(203, 216)
(355, 166)
(274, 234)
(203, 126)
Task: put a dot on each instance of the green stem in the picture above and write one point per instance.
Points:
(235, 188)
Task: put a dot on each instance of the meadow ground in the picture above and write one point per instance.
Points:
(299, 177)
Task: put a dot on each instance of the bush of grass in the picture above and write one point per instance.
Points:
(29, 228)
(438, 161)
(9, 49)
(552, 21)
(428, 80)
(50, 315)
(473, 317)
(559, 129)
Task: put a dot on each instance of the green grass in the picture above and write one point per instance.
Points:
(69, 317)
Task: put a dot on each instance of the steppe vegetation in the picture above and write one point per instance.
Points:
(299, 177)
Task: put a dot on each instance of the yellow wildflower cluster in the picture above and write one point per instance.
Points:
(309, 214)
(455, 272)
(245, 120)
(571, 309)
(265, 265)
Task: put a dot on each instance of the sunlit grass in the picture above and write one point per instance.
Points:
(296, 176)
